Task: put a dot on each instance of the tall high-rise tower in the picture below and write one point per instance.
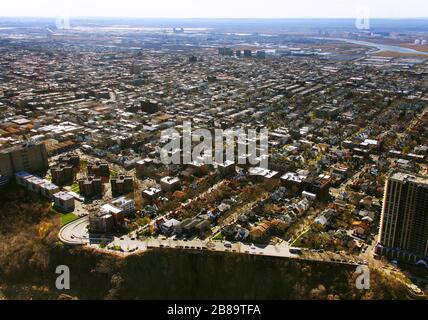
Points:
(404, 222)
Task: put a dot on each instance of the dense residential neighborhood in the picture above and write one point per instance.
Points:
(82, 123)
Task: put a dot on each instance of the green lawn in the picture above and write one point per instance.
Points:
(64, 217)
(218, 236)
(83, 164)
(75, 187)
(67, 218)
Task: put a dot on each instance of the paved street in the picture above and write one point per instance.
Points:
(76, 233)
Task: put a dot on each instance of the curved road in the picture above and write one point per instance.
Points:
(75, 233)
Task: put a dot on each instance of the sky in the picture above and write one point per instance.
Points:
(216, 8)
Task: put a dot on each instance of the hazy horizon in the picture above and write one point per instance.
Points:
(212, 18)
(220, 9)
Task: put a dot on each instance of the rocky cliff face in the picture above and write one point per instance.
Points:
(177, 274)
(30, 253)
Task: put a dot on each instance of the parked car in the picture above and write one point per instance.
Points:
(295, 251)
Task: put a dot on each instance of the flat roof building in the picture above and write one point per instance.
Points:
(63, 201)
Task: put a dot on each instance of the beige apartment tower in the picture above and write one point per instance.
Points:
(403, 231)
(30, 157)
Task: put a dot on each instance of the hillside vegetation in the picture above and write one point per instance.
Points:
(30, 253)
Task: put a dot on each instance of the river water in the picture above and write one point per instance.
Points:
(381, 47)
